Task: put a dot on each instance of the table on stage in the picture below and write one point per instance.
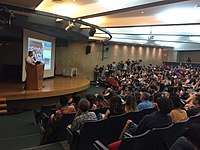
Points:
(70, 72)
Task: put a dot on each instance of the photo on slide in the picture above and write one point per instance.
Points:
(42, 51)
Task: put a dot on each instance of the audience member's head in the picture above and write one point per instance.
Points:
(176, 102)
(84, 105)
(100, 98)
(76, 98)
(131, 104)
(91, 98)
(64, 99)
(165, 105)
(144, 96)
(116, 105)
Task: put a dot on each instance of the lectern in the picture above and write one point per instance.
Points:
(34, 76)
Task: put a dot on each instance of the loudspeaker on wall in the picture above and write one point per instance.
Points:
(88, 49)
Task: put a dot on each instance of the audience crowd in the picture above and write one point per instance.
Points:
(131, 86)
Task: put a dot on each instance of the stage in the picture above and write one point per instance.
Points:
(16, 96)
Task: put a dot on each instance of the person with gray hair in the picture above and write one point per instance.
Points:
(82, 115)
(145, 103)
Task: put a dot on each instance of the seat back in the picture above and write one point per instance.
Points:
(150, 140)
(48, 109)
(3, 106)
(144, 141)
(106, 131)
(91, 131)
(138, 115)
(194, 119)
(64, 122)
(174, 132)
(101, 110)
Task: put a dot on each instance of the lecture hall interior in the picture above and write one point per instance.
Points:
(140, 52)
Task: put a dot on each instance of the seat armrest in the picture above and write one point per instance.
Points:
(99, 146)
(126, 135)
(71, 135)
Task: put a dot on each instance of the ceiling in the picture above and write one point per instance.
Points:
(168, 23)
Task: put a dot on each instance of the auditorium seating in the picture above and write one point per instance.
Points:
(107, 130)
(41, 116)
(155, 139)
(3, 106)
(101, 110)
(174, 132)
(194, 119)
(138, 115)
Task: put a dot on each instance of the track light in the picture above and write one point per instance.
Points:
(92, 31)
(70, 26)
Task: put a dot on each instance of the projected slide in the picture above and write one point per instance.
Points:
(42, 51)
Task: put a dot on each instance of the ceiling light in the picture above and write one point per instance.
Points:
(96, 20)
(142, 12)
(59, 20)
(179, 16)
(65, 10)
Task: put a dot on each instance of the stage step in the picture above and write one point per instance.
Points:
(3, 106)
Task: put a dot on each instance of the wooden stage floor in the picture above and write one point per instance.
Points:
(52, 87)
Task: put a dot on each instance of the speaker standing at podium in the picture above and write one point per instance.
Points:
(30, 59)
(34, 73)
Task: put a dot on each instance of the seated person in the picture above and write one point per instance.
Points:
(156, 119)
(189, 139)
(196, 108)
(63, 108)
(92, 99)
(116, 107)
(100, 101)
(131, 104)
(178, 113)
(191, 101)
(145, 103)
(82, 115)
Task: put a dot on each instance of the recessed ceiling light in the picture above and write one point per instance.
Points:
(74, 0)
(142, 12)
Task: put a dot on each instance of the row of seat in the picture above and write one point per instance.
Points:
(155, 139)
(106, 130)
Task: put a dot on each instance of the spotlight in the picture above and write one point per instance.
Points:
(92, 31)
(70, 26)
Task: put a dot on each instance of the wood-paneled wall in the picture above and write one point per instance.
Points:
(75, 56)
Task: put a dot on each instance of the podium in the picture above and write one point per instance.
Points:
(34, 76)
